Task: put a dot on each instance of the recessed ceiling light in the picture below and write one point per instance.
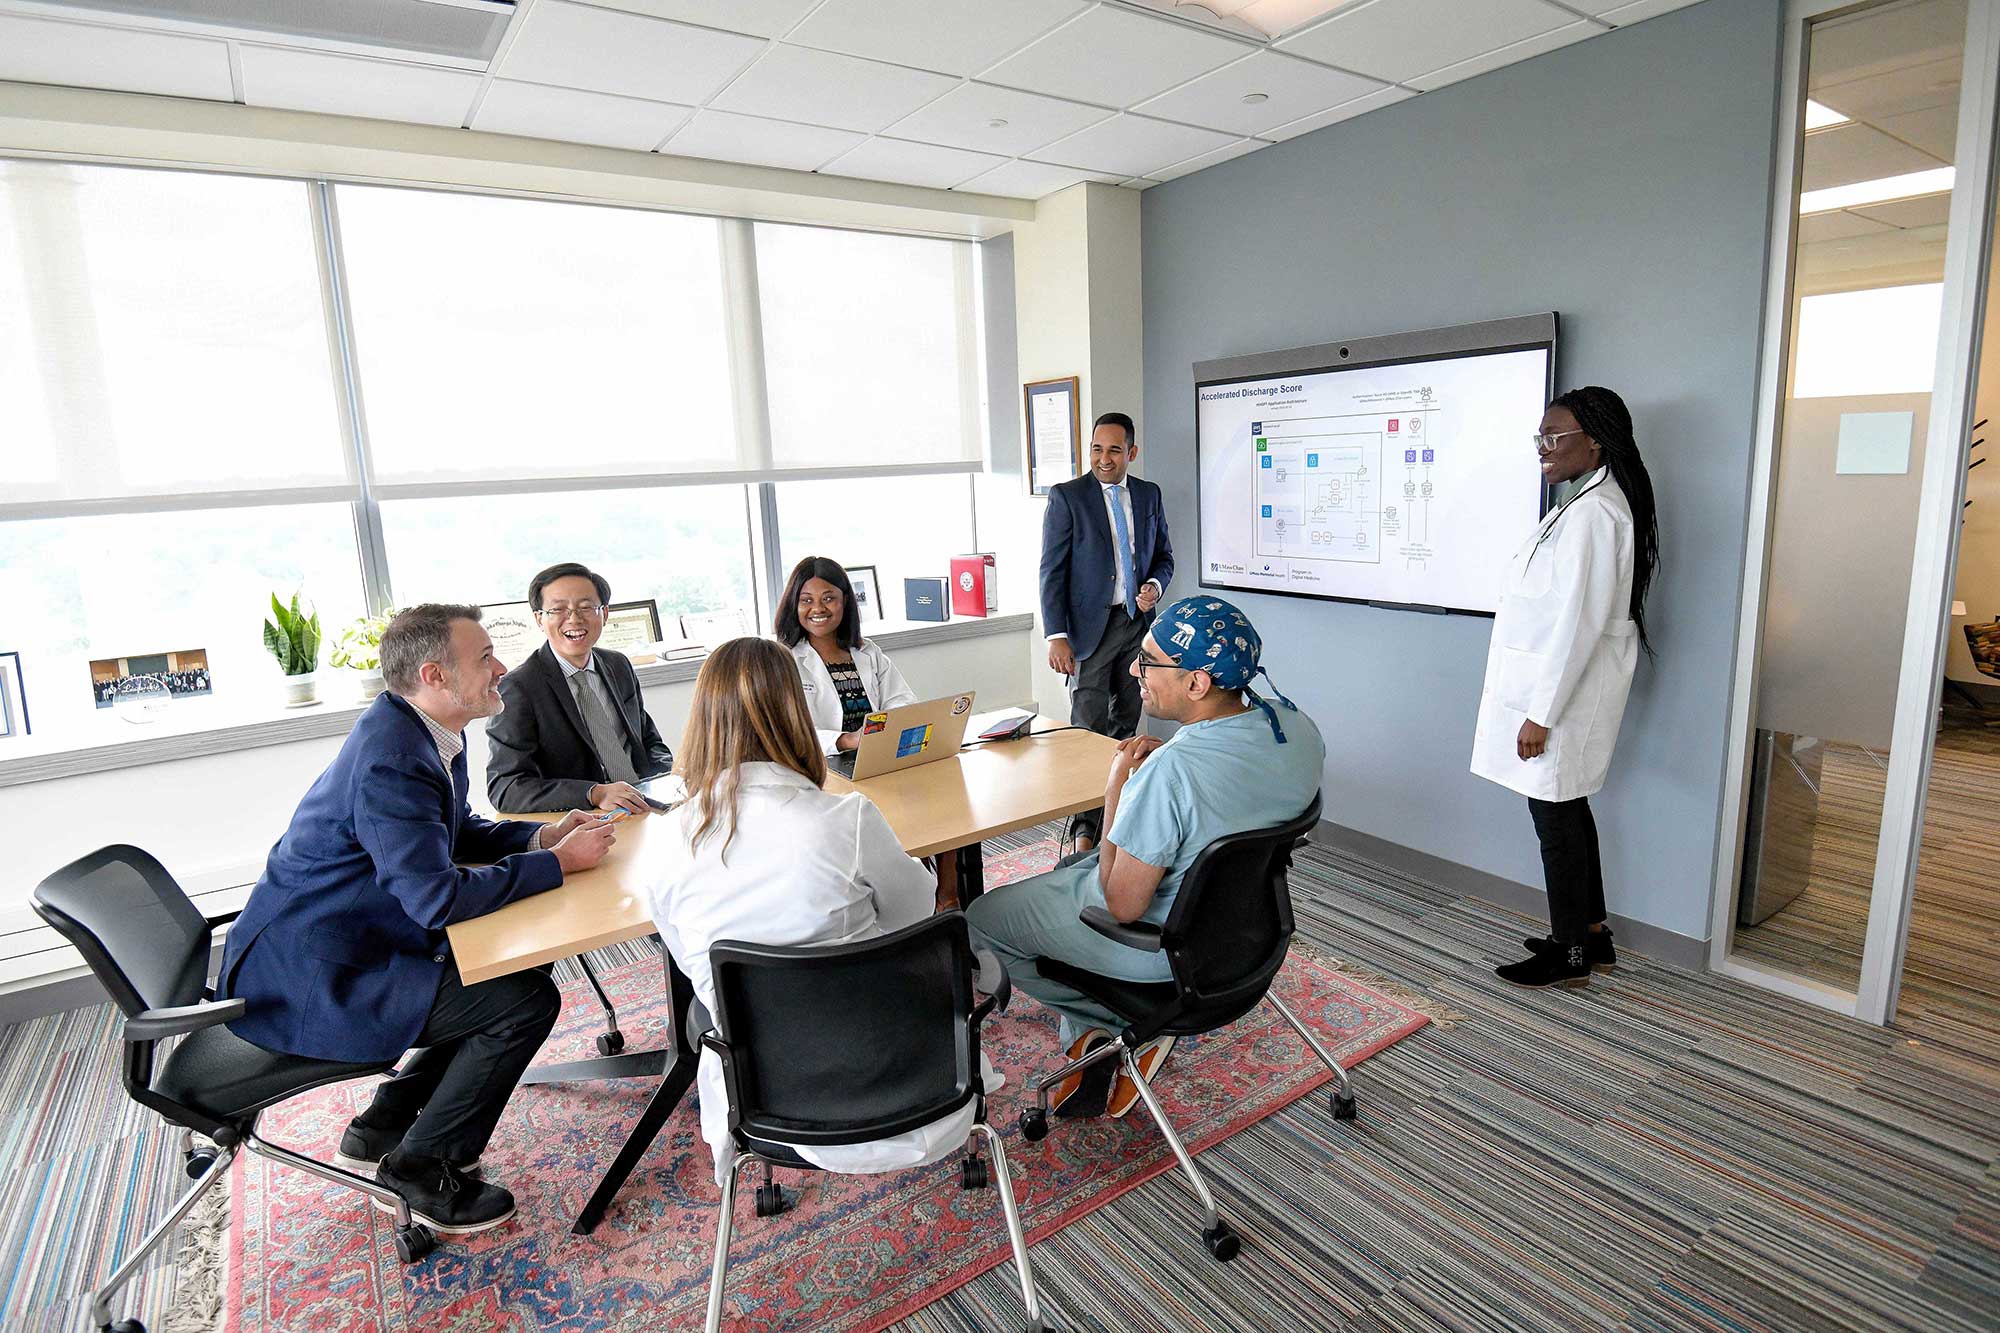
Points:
(1910, 185)
(997, 123)
(1822, 117)
(1252, 99)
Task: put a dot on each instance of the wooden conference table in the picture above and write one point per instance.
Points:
(989, 789)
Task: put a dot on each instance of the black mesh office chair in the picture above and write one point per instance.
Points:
(1226, 937)
(843, 1043)
(149, 947)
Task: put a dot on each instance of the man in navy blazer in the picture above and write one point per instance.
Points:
(341, 950)
(1106, 562)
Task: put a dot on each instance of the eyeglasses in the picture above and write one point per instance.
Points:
(1547, 441)
(1145, 664)
(560, 612)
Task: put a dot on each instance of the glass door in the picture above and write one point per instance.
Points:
(1862, 428)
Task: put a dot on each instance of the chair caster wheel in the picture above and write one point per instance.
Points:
(1035, 1125)
(1222, 1241)
(770, 1200)
(610, 1043)
(199, 1160)
(972, 1174)
(414, 1242)
(125, 1326)
(1343, 1107)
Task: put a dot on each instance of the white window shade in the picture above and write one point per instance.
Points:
(162, 334)
(870, 350)
(508, 340)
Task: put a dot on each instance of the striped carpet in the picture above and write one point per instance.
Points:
(1661, 1150)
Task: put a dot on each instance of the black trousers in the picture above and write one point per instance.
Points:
(1571, 867)
(476, 1044)
(1105, 697)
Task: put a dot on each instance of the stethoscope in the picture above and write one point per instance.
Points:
(1549, 523)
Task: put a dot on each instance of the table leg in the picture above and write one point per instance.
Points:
(630, 1064)
(971, 873)
(679, 1076)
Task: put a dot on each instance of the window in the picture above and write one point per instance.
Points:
(161, 332)
(869, 348)
(929, 520)
(516, 338)
(688, 547)
(129, 585)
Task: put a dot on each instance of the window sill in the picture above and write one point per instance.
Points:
(337, 719)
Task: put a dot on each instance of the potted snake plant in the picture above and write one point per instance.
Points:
(291, 635)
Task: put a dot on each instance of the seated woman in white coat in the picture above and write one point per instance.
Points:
(1568, 633)
(760, 853)
(845, 677)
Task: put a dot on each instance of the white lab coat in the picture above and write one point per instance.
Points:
(1563, 648)
(805, 867)
(885, 685)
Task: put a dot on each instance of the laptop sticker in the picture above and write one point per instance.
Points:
(960, 704)
(914, 740)
(873, 723)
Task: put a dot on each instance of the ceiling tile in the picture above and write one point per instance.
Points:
(765, 143)
(1623, 14)
(1133, 146)
(1291, 90)
(1933, 129)
(763, 18)
(575, 116)
(1855, 152)
(1513, 52)
(1345, 111)
(1114, 56)
(1031, 180)
(577, 46)
(1399, 39)
(964, 118)
(86, 56)
(956, 36)
(908, 163)
(350, 86)
(1932, 210)
(821, 88)
(1836, 226)
(1194, 164)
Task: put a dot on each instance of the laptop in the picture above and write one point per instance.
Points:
(906, 737)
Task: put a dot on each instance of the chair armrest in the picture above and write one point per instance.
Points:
(223, 918)
(1132, 934)
(153, 1024)
(992, 979)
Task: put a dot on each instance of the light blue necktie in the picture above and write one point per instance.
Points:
(1124, 552)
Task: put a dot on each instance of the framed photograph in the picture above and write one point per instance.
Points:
(1055, 433)
(709, 628)
(13, 698)
(629, 626)
(513, 629)
(147, 681)
(867, 591)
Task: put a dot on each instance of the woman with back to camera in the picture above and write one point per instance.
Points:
(1567, 635)
(845, 678)
(758, 852)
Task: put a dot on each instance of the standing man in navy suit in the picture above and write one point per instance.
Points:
(341, 950)
(1106, 562)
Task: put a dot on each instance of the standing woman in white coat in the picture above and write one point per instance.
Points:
(845, 678)
(1568, 633)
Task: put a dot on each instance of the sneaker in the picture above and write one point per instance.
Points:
(1124, 1092)
(442, 1197)
(363, 1147)
(1566, 966)
(1083, 1094)
(1597, 948)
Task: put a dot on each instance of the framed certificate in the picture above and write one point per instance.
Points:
(629, 626)
(512, 627)
(1055, 433)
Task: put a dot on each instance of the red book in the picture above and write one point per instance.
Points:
(974, 591)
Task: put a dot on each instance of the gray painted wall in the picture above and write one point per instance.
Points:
(1622, 181)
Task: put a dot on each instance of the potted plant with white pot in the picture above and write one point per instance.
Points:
(359, 650)
(291, 635)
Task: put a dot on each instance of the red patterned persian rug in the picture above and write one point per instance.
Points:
(853, 1254)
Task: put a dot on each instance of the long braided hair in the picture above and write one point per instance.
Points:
(1605, 418)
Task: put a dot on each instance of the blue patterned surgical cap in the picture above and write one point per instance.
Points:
(1208, 634)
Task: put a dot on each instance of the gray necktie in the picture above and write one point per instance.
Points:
(604, 733)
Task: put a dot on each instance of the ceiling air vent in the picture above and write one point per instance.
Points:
(457, 31)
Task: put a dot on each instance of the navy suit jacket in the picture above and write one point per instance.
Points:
(1080, 557)
(341, 947)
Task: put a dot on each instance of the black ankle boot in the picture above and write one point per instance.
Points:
(1597, 947)
(1566, 965)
